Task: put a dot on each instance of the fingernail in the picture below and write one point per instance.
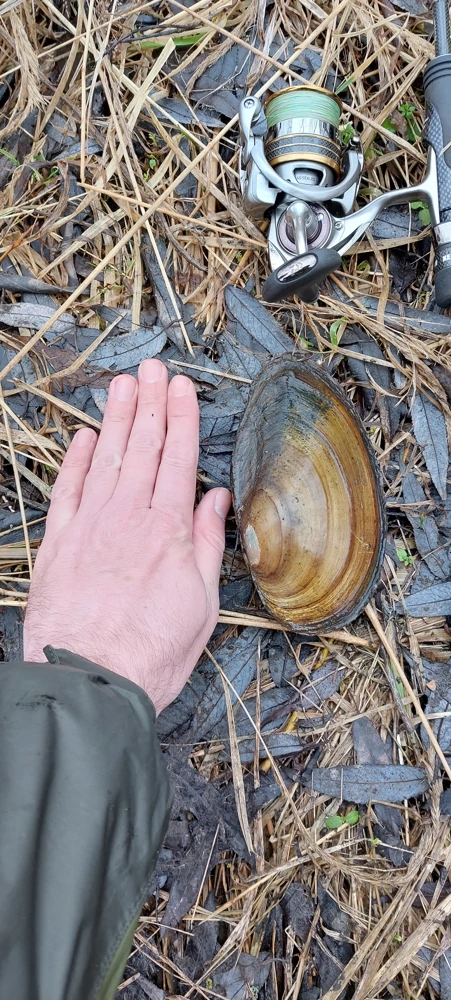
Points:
(179, 385)
(83, 437)
(150, 370)
(124, 388)
(222, 503)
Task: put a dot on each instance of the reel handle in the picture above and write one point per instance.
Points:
(437, 133)
(301, 276)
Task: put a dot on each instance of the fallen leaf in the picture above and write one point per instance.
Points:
(425, 529)
(362, 783)
(430, 602)
(251, 317)
(430, 431)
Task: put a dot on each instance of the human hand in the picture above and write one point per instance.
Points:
(126, 575)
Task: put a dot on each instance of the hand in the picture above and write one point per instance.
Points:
(126, 575)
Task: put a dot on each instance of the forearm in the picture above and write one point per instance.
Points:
(85, 804)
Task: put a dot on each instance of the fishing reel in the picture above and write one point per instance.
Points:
(296, 171)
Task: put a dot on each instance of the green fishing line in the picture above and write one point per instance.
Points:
(303, 104)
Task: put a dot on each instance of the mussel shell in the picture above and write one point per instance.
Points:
(307, 498)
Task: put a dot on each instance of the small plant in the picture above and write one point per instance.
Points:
(335, 329)
(9, 156)
(424, 214)
(389, 125)
(408, 112)
(336, 822)
(333, 822)
(404, 557)
(347, 133)
(150, 168)
(400, 687)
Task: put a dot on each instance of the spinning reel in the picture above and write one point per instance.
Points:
(296, 170)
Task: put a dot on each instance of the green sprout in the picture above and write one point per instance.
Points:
(336, 822)
(333, 822)
(347, 133)
(151, 166)
(389, 125)
(404, 557)
(9, 156)
(335, 329)
(424, 214)
(407, 110)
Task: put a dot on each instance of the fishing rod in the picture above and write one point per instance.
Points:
(296, 171)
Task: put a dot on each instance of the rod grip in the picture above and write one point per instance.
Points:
(437, 134)
(300, 276)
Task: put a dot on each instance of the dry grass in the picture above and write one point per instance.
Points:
(55, 56)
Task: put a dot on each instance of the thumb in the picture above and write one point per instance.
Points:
(209, 535)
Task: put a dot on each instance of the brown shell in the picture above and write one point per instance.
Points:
(307, 498)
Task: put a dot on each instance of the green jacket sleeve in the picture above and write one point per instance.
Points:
(84, 806)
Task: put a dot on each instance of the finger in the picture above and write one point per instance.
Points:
(145, 444)
(117, 424)
(175, 485)
(209, 535)
(68, 488)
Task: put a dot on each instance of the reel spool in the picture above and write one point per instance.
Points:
(303, 128)
(295, 169)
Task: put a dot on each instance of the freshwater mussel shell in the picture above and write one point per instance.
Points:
(307, 498)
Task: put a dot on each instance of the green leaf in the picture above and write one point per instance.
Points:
(347, 133)
(9, 156)
(388, 124)
(345, 84)
(352, 817)
(157, 43)
(404, 557)
(334, 329)
(333, 822)
(425, 216)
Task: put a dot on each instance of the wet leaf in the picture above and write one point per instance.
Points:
(169, 315)
(438, 690)
(11, 629)
(126, 351)
(336, 949)
(32, 317)
(370, 375)
(243, 976)
(241, 361)
(203, 945)
(363, 783)
(171, 107)
(429, 602)
(425, 529)
(238, 659)
(251, 317)
(415, 7)
(279, 745)
(430, 431)
(282, 665)
(298, 909)
(14, 282)
(276, 705)
(323, 683)
(444, 968)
